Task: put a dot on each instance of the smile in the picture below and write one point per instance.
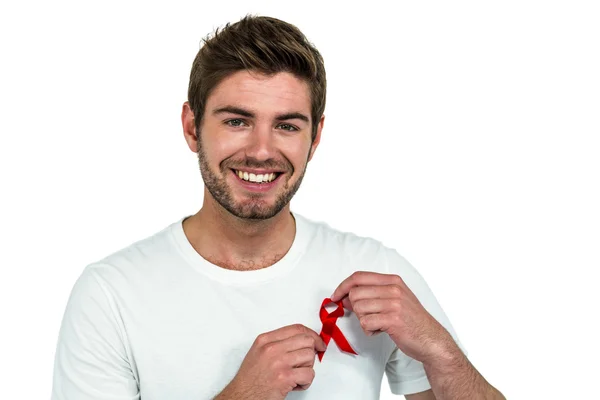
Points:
(256, 178)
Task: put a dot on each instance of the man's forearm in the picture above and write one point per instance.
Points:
(231, 393)
(454, 377)
(234, 391)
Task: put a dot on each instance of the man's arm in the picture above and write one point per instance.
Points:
(457, 379)
(452, 376)
(426, 395)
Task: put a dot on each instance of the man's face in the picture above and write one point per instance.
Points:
(254, 142)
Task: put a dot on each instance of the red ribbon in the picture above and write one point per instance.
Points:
(330, 329)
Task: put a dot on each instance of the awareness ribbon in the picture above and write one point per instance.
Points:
(330, 329)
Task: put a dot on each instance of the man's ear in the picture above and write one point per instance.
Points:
(188, 123)
(317, 140)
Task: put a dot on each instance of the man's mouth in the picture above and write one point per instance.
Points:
(256, 178)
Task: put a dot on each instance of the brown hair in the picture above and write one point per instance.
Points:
(263, 44)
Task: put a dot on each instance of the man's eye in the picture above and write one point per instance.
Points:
(234, 122)
(288, 127)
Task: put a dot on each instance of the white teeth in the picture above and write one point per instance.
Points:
(256, 178)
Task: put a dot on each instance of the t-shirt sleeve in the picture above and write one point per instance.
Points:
(406, 375)
(91, 361)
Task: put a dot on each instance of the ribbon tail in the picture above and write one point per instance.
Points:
(326, 338)
(341, 341)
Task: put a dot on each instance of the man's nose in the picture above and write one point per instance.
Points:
(261, 143)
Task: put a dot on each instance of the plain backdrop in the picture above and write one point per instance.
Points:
(464, 134)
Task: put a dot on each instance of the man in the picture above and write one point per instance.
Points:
(230, 303)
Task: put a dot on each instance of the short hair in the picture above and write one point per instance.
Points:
(261, 44)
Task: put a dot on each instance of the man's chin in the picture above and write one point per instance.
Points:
(255, 214)
(255, 211)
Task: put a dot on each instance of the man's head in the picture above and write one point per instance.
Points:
(255, 112)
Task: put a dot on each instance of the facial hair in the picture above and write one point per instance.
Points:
(256, 207)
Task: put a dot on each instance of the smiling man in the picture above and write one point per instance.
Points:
(230, 303)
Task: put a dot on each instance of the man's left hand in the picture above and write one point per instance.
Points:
(384, 303)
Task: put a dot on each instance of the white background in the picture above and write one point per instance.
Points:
(463, 134)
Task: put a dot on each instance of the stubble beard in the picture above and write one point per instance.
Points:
(256, 207)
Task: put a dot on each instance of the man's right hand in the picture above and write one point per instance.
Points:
(278, 362)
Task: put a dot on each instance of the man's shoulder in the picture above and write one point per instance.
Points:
(360, 248)
(137, 258)
(340, 239)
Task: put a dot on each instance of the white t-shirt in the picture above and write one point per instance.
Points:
(156, 321)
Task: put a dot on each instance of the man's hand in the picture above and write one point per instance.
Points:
(278, 362)
(383, 303)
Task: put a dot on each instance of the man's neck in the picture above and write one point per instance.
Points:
(240, 244)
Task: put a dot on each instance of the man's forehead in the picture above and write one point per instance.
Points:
(281, 93)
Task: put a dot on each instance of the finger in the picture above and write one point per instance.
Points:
(374, 292)
(371, 323)
(303, 341)
(361, 278)
(300, 358)
(371, 306)
(347, 303)
(303, 377)
(284, 333)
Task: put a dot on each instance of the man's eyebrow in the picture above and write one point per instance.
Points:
(249, 114)
(233, 110)
(292, 115)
